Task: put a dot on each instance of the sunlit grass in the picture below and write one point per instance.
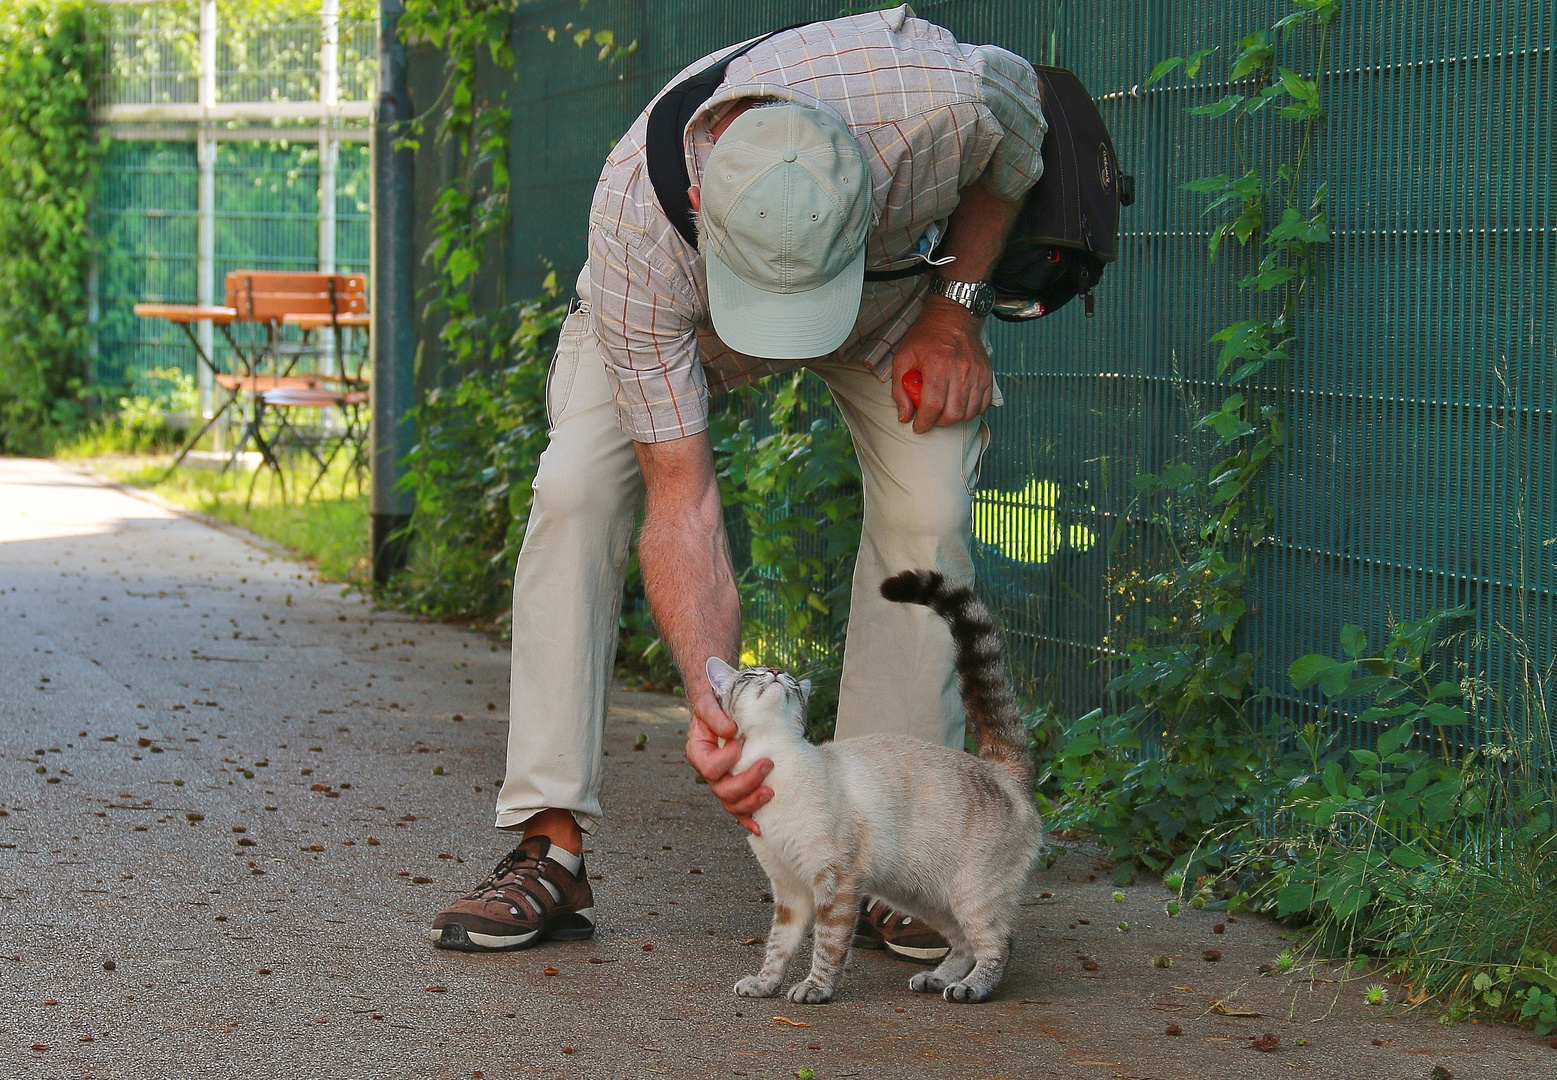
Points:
(331, 528)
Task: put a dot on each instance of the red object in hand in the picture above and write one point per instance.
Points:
(913, 382)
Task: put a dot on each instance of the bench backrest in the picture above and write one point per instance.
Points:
(268, 295)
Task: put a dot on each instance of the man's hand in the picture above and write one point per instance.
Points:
(945, 344)
(742, 794)
(946, 347)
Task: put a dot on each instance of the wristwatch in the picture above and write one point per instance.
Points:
(977, 296)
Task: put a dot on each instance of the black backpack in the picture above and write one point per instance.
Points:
(1068, 229)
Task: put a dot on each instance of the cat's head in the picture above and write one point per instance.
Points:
(759, 698)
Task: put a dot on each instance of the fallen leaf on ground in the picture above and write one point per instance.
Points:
(791, 1023)
(1440, 1073)
(1211, 956)
(552, 971)
(1173, 1029)
(1266, 1042)
(1222, 1008)
(437, 989)
(752, 941)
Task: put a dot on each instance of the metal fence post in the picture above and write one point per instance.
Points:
(205, 228)
(394, 329)
(329, 96)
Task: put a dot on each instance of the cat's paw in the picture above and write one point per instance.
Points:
(808, 993)
(926, 983)
(753, 987)
(965, 993)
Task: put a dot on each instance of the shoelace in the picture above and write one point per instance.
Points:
(513, 865)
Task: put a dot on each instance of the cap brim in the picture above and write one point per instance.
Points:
(784, 326)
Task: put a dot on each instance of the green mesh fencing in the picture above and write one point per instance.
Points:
(266, 218)
(1420, 473)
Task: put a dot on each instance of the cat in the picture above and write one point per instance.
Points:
(934, 833)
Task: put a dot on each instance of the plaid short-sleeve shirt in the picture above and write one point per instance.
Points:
(932, 116)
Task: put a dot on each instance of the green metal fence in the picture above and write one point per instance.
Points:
(1422, 470)
(266, 217)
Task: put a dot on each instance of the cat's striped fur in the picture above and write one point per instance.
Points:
(993, 716)
(935, 833)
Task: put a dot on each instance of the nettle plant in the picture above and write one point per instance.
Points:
(1186, 680)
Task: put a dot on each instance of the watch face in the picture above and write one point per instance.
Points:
(984, 299)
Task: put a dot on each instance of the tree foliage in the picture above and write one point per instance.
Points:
(50, 58)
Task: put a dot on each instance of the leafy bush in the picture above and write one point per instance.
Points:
(1441, 859)
(147, 420)
(470, 471)
(50, 58)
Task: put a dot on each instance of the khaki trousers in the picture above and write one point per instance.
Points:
(897, 670)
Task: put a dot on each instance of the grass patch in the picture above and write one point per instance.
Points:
(330, 529)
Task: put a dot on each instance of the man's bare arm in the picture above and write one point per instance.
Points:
(945, 342)
(690, 582)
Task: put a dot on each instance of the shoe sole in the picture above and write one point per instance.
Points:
(918, 956)
(572, 926)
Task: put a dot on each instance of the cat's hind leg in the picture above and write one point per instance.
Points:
(837, 910)
(954, 968)
(988, 932)
(790, 909)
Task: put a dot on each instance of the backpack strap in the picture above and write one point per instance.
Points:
(664, 145)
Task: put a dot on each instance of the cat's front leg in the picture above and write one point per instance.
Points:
(837, 911)
(789, 925)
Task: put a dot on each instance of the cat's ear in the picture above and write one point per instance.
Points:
(805, 692)
(720, 674)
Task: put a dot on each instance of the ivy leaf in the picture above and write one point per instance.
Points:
(462, 263)
(1163, 68)
(1443, 715)
(1257, 51)
(1209, 185)
(1305, 671)
(1197, 58)
(1353, 640)
(1220, 108)
(1392, 741)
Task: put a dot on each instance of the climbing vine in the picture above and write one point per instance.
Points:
(1186, 681)
(51, 54)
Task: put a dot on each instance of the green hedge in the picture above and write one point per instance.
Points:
(50, 60)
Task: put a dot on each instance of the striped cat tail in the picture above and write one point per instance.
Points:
(993, 716)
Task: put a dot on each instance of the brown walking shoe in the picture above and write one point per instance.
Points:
(526, 898)
(901, 935)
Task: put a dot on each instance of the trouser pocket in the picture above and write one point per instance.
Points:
(571, 343)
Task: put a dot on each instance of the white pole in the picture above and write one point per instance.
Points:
(329, 97)
(205, 233)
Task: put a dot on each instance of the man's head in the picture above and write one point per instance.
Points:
(785, 212)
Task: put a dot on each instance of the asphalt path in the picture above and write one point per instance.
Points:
(232, 797)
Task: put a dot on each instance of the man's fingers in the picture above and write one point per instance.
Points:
(712, 761)
(932, 399)
(733, 790)
(900, 398)
(750, 825)
(751, 804)
(707, 711)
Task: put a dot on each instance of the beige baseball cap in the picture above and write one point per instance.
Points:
(786, 210)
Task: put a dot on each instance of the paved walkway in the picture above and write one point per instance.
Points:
(232, 799)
